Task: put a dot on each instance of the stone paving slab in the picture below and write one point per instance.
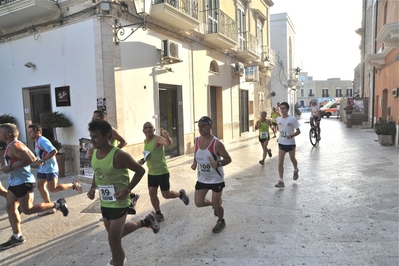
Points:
(343, 210)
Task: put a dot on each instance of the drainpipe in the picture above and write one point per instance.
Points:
(375, 50)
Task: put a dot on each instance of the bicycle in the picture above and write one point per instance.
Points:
(313, 135)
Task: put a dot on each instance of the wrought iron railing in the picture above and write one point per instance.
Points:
(268, 54)
(4, 2)
(250, 44)
(189, 7)
(217, 21)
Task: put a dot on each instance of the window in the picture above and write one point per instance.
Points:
(302, 92)
(325, 92)
(349, 91)
(212, 13)
(338, 92)
(311, 92)
(241, 28)
(259, 37)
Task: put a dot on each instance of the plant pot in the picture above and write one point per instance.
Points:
(385, 140)
(60, 157)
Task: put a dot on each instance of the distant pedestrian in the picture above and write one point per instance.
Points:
(158, 171)
(210, 157)
(274, 116)
(263, 125)
(338, 110)
(348, 111)
(289, 129)
(47, 174)
(21, 184)
(111, 176)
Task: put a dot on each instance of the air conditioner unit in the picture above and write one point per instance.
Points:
(170, 49)
(239, 69)
(395, 92)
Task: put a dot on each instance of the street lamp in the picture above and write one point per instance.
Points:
(143, 10)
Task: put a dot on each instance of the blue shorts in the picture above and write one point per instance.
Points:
(47, 177)
(159, 180)
(348, 116)
(286, 148)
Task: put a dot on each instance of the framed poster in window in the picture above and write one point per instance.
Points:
(62, 96)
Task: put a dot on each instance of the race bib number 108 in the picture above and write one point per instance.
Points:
(205, 167)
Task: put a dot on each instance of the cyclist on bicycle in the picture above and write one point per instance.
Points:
(315, 116)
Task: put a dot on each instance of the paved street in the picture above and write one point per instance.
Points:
(343, 210)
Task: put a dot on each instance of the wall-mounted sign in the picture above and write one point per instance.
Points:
(102, 104)
(251, 74)
(62, 96)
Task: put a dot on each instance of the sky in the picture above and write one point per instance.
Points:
(327, 45)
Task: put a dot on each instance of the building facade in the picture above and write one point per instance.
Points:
(193, 58)
(380, 58)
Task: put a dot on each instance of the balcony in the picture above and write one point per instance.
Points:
(267, 57)
(310, 94)
(16, 12)
(220, 29)
(248, 48)
(389, 35)
(180, 14)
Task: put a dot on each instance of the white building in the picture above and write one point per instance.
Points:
(189, 62)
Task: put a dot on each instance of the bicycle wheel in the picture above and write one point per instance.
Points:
(313, 136)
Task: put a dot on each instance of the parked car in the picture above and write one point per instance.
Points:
(329, 109)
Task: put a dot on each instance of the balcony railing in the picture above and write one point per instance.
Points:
(189, 7)
(268, 54)
(4, 2)
(250, 43)
(219, 22)
(310, 94)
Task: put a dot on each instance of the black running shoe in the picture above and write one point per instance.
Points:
(269, 152)
(14, 241)
(63, 206)
(152, 218)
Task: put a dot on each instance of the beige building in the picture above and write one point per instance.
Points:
(308, 89)
(169, 64)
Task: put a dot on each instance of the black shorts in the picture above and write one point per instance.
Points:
(263, 140)
(286, 148)
(159, 180)
(113, 213)
(21, 190)
(214, 187)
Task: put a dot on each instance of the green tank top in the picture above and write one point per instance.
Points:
(156, 161)
(109, 180)
(274, 117)
(263, 130)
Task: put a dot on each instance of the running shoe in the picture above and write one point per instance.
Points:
(183, 196)
(269, 152)
(131, 210)
(262, 162)
(220, 225)
(280, 184)
(46, 212)
(12, 242)
(63, 206)
(134, 197)
(295, 176)
(77, 186)
(110, 263)
(160, 217)
(152, 218)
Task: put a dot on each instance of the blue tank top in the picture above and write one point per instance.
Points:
(21, 175)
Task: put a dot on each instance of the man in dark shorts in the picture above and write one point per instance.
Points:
(289, 129)
(21, 184)
(210, 157)
(111, 176)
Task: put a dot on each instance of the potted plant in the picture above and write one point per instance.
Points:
(52, 120)
(386, 131)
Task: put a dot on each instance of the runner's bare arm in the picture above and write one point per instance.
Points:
(115, 135)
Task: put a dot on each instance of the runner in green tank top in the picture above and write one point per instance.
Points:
(111, 177)
(264, 136)
(158, 172)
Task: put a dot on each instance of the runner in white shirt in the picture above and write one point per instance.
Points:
(289, 128)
